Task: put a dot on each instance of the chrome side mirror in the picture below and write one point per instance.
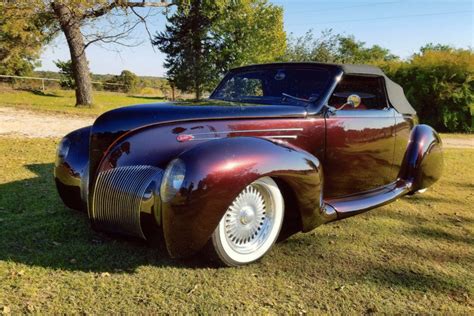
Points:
(354, 100)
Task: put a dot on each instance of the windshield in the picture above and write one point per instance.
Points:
(298, 86)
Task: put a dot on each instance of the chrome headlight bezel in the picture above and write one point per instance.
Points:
(173, 179)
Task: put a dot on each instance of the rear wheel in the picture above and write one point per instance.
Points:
(250, 225)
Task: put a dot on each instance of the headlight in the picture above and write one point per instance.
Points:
(63, 149)
(172, 179)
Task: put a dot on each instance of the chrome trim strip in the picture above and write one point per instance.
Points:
(281, 136)
(204, 138)
(263, 136)
(295, 129)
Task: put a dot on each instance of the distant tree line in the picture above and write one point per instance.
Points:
(126, 82)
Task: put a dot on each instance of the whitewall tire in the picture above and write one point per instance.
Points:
(250, 225)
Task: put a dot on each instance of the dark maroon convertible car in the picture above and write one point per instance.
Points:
(277, 149)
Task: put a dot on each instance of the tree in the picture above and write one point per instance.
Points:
(203, 39)
(436, 47)
(26, 26)
(71, 15)
(334, 48)
(309, 47)
(352, 51)
(23, 31)
(127, 81)
(189, 48)
(66, 73)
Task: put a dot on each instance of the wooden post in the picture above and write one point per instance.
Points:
(42, 84)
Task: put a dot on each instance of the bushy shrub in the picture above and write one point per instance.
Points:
(439, 83)
(66, 74)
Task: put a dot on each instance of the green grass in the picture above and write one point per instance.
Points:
(63, 101)
(412, 256)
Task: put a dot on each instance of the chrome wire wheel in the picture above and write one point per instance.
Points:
(251, 224)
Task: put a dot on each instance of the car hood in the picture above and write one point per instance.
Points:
(132, 117)
(113, 124)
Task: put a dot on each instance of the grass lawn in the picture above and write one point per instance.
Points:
(413, 256)
(63, 101)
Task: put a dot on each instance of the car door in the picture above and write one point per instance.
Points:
(359, 140)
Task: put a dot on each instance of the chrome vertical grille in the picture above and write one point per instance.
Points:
(120, 197)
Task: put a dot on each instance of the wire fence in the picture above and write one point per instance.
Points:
(43, 80)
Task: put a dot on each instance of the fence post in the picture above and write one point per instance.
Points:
(42, 84)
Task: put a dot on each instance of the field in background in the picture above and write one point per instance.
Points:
(411, 256)
(63, 101)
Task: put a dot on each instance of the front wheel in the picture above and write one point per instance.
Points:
(251, 224)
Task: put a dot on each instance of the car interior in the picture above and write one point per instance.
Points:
(370, 89)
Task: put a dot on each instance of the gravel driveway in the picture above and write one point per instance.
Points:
(16, 122)
(25, 123)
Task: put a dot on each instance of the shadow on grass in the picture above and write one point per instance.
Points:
(464, 185)
(401, 267)
(37, 229)
(433, 254)
(439, 234)
(409, 278)
(426, 199)
(41, 93)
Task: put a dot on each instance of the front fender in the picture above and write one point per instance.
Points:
(423, 161)
(70, 170)
(216, 171)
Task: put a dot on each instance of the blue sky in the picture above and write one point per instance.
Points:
(402, 26)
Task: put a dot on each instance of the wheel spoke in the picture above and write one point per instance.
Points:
(247, 224)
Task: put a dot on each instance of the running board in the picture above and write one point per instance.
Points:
(340, 208)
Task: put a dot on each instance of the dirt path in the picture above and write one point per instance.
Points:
(458, 142)
(26, 123)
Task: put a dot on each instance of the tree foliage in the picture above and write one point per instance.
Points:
(23, 31)
(203, 39)
(66, 74)
(439, 83)
(127, 82)
(333, 48)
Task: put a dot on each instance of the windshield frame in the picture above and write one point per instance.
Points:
(312, 107)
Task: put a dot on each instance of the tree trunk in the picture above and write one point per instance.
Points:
(198, 91)
(173, 94)
(70, 25)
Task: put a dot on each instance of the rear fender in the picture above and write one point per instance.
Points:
(216, 171)
(423, 161)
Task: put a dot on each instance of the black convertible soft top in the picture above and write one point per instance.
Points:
(395, 93)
